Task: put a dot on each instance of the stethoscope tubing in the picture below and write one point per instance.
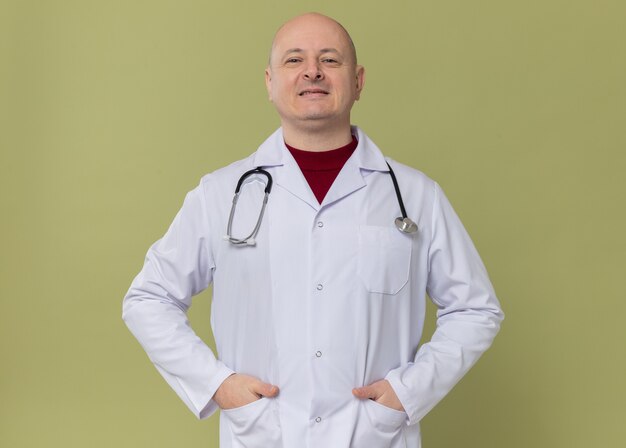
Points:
(397, 188)
(250, 239)
(259, 170)
(404, 224)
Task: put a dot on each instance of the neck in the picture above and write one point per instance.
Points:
(317, 140)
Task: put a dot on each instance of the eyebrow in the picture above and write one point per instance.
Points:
(300, 50)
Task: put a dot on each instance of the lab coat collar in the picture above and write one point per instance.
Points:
(367, 156)
(365, 159)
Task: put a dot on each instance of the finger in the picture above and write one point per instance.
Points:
(264, 389)
(372, 391)
(270, 390)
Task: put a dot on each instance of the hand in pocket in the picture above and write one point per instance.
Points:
(381, 392)
(239, 390)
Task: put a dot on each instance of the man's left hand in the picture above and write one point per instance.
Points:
(381, 392)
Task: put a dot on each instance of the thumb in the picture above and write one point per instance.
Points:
(372, 391)
(264, 389)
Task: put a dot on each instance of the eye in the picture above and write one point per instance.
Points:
(331, 62)
(292, 60)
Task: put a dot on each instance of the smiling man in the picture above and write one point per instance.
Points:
(318, 289)
(313, 80)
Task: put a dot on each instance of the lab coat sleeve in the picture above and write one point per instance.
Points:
(177, 267)
(468, 316)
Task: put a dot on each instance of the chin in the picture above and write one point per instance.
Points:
(317, 115)
(317, 124)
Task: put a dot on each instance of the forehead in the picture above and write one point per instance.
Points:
(311, 33)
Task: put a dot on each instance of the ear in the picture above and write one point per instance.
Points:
(360, 80)
(268, 82)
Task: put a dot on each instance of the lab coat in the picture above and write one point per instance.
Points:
(331, 297)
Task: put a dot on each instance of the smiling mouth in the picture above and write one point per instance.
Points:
(313, 92)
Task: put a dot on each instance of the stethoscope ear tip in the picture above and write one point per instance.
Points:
(405, 225)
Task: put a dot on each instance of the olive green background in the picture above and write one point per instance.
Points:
(111, 111)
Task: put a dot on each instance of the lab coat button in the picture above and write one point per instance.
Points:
(318, 354)
(320, 224)
(320, 286)
(318, 419)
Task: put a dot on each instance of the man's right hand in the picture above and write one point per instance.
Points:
(239, 390)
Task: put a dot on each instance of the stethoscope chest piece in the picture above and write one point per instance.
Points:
(405, 225)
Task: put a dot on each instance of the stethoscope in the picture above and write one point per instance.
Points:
(403, 223)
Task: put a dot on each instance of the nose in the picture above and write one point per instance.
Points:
(312, 72)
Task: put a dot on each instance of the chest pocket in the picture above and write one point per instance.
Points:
(384, 258)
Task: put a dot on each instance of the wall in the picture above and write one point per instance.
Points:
(111, 111)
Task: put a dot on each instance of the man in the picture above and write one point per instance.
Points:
(317, 319)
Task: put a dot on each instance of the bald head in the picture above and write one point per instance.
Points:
(313, 81)
(316, 21)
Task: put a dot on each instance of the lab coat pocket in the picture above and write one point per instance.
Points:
(384, 258)
(255, 425)
(379, 426)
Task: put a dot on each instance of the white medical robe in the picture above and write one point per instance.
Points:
(331, 297)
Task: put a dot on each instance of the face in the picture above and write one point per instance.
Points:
(312, 77)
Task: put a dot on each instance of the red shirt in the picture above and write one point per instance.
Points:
(320, 169)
